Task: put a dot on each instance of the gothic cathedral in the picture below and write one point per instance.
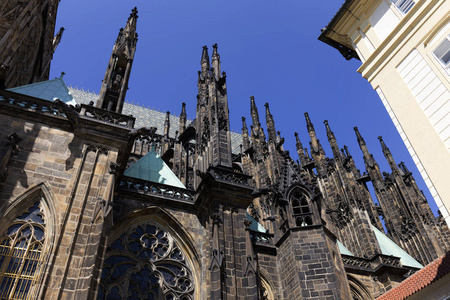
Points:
(98, 204)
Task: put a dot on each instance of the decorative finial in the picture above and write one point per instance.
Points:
(134, 12)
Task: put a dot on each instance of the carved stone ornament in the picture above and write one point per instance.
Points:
(146, 262)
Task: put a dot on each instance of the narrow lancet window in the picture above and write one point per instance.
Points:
(300, 206)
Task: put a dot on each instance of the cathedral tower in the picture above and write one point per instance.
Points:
(115, 83)
(212, 121)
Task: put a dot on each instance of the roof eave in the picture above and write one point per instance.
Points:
(346, 52)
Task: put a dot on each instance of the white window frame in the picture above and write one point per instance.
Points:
(444, 48)
(404, 6)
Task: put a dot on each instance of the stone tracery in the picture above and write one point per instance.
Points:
(20, 254)
(146, 262)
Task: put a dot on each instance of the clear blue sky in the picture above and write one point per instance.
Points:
(269, 49)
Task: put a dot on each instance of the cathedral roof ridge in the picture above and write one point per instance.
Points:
(150, 117)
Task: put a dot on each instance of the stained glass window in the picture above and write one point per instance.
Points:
(146, 262)
(20, 254)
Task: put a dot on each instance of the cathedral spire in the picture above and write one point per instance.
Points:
(245, 139)
(362, 145)
(317, 152)
(183, 117)
(387, 153)
(115, 83)
(212, 118)
(167, 124)
(371, 165)
(349, 160)
(255, 115)
(270, 124)
(316, 147)
(347, 153)
(204, 62)
(332, 140)
(215, 61)
(300, 151)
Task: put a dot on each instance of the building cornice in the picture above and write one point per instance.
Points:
(400, 35)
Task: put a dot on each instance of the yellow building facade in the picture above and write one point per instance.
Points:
(404, 47)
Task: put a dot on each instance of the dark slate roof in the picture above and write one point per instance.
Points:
(419, 280)
(148, 117)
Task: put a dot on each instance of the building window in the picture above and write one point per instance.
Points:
(301, 211)
(265, 290)
(403, 5)
(146, 262)
(442, 54)
(20, 254)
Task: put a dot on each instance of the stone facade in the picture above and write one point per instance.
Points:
(26, 25)
(248, 224)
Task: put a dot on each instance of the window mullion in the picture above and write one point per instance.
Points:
(18, 274)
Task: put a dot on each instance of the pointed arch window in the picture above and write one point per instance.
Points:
(21, 254)
(146, 262)
(301, 209)
(358, 290)
(266, 292)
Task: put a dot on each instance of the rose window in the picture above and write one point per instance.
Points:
(146, 263)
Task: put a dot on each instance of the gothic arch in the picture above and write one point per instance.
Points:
(28, 231)
(265, 286)
(152, 244)
(189, 133)
(299, 198)
(300, 186)
(357, 290)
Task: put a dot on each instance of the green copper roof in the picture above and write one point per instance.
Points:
(255, 226)
(388, 247)
(47, 90)
(343, 250)
(152, 168)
